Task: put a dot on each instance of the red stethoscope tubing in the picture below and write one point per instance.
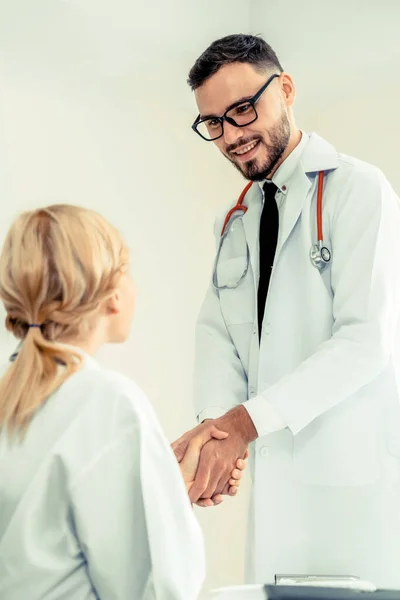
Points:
(239, 206)
(319, 205)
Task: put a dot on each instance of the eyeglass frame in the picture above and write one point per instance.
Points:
(230, 120)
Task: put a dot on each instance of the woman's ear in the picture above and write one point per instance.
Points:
(112, 306)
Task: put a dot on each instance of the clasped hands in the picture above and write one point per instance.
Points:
(212, 456)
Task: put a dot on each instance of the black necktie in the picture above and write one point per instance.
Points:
(269, 227)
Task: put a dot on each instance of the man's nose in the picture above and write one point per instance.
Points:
(232, 134)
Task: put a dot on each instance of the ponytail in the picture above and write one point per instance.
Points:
(38, 370)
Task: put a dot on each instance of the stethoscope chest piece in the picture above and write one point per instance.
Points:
(320, 256)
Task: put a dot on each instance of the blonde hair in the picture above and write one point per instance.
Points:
(57, 265)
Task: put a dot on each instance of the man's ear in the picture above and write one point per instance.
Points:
(288, 88)
(112, 305)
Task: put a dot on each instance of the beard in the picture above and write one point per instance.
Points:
(279, 139)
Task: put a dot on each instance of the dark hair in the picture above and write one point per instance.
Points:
(230, 49)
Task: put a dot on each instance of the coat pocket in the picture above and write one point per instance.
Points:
(237, 303)
(230, 271)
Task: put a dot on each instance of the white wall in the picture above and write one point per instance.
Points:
(95, 110)
(345, 59)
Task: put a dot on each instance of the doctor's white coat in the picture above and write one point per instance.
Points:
(326, 488)
(92, 503)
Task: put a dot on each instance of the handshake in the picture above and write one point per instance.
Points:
(212, 456)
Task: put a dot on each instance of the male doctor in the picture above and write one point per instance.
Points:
(300, 357)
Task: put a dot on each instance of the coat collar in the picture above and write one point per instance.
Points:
(318, 155)
(312, 153)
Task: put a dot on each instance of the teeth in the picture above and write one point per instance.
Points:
(246, 148)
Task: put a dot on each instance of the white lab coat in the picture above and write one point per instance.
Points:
(92, 503)
(326, 489)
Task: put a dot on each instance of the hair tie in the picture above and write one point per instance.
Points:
(34, 325)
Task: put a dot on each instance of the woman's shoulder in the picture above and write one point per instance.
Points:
(110, 395)
(110, 380)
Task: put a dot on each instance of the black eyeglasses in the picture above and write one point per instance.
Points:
(242, 113)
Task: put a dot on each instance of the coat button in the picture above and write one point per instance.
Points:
(264, 451)
(267, 329)
(252, 390)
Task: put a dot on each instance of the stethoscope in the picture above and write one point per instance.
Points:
(320, 255)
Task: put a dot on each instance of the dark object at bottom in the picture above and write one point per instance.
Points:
(302, 592)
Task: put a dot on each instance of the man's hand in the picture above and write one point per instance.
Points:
(234, 483)
(180, 447)
(190, 445)
(190, 461)
(218, 458)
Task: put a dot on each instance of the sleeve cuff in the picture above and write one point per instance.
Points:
(264, 415)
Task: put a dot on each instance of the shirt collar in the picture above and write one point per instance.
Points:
(282, 175)
(88, 360)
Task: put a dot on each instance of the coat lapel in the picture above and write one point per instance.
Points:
(293, 203)
(251, 222)
(318, 155)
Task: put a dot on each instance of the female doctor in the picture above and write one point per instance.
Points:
(298, 339)
(92, 503)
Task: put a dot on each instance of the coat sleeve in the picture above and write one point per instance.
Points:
(365, 234)
(133, 518)
(219, 379)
